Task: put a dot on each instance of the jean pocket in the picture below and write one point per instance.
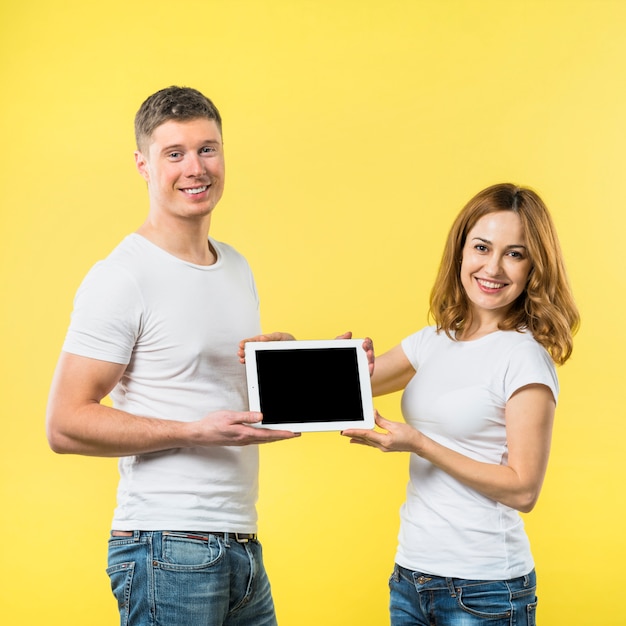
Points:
(183, 551)
(488, 600)
(121, 577)
(395, 576)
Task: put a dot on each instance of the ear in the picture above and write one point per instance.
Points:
(141, 163)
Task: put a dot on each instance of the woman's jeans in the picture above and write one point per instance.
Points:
(418, 599)
(189, 579)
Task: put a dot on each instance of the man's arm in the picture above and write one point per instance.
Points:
(77, 422)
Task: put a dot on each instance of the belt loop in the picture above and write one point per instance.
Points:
(451, 588)
(227, 540)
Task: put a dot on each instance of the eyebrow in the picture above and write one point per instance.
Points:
(179, 146)
(513, 245)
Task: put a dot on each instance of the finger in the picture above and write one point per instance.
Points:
(252, 417)
(346, 335)
(267, 435)
(241, 352)
(276, 336)
(363, 442)
(381, 421)
(354, 432)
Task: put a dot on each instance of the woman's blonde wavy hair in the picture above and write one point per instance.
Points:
(546, 307)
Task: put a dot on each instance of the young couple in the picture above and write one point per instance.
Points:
(156, 326)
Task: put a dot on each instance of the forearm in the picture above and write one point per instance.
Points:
(497, 482)
(516, 485)
(99, 430)
(77, 421)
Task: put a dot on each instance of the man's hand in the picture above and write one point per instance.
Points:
(234, 428)
(78, 422)
(368, 345)
(277, 336)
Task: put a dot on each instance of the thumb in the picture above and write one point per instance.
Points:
(381, 421)
(251, 417)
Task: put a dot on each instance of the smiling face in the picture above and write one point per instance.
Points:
(184, 168)
(495, 265)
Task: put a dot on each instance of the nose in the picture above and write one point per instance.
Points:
(493, 265)
(194, 166)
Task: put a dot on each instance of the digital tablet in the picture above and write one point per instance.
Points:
(306, 386)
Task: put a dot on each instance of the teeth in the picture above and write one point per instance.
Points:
(196, 190)
(489, 285)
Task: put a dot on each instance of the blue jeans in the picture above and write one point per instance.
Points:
(418, 599)
(189, 579)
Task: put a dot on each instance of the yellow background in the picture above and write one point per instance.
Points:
(354, 132)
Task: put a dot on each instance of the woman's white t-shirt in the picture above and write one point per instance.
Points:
(458, 397)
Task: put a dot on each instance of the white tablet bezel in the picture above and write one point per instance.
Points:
(362, 371)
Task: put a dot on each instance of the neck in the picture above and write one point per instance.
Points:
(187, 240)
(480, 325)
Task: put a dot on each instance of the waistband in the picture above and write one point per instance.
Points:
(198, 535)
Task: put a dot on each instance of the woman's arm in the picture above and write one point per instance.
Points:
(529, 418)
(392, 372)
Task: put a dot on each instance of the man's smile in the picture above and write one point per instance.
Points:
(195, 190)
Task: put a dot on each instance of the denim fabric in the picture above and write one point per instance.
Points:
(189, 579)
(418, 599)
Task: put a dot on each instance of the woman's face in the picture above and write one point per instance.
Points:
(495, 263)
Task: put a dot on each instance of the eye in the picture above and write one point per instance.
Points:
(480, 247)
(207, 150)
(516, 254)
(175, 155)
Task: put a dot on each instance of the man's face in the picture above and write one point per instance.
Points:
(184, 168)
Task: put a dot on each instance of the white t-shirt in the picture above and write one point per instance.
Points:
(177, 326)
(457, 397)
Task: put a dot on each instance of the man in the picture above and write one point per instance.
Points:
(157, 326)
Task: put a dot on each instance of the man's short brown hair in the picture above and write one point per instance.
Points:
(172, 103)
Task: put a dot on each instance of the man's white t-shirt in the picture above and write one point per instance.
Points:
(457, 397)
(177, 326)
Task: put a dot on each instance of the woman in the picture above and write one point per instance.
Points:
(480, 391)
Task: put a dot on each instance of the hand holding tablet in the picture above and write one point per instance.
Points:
(307, 386)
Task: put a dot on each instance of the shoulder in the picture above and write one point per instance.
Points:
(119, 273)
(226, 251)
(522, 343)
(428, 334)
(228, 256)
(418, 344)
(527, 362)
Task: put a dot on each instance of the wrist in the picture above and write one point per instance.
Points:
(187, 434)
(419, 443)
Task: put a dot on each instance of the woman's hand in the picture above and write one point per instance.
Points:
(398, 436)
(529, 418)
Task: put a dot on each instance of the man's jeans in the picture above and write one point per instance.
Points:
(423, 600)
(189, 579)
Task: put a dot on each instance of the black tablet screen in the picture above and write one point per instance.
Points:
(309, 385)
